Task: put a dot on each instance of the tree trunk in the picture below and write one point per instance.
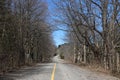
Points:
(84, 53)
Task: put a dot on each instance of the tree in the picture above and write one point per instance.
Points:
(24, 37)
(85, 18)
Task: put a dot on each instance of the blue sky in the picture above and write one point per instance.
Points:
(59, 35)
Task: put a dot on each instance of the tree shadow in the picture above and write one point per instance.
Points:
(24, 72)
(5, 78)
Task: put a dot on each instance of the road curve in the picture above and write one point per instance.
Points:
(58, 70)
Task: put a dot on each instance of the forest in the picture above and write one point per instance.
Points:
(25, 35)
(93, 28)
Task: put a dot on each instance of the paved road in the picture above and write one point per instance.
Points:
(58, 70)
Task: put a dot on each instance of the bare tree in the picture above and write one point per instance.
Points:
(25, 35)
(85, 18)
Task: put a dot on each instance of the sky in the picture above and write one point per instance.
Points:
(59, 35)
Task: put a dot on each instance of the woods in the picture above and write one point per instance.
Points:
(94, 31)
(25, 35)
(92, 28)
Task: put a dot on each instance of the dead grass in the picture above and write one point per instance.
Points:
(98, 69)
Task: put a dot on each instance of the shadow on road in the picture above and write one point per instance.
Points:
(5, 78)
(27, 71)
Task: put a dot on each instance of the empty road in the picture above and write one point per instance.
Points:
(58, 70)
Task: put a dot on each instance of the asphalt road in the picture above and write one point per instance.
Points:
(58, 70)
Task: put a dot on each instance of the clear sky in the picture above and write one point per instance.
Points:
(59, 35)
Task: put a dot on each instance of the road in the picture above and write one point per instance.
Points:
(58, 70)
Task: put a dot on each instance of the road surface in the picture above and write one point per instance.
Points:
(58, 70)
